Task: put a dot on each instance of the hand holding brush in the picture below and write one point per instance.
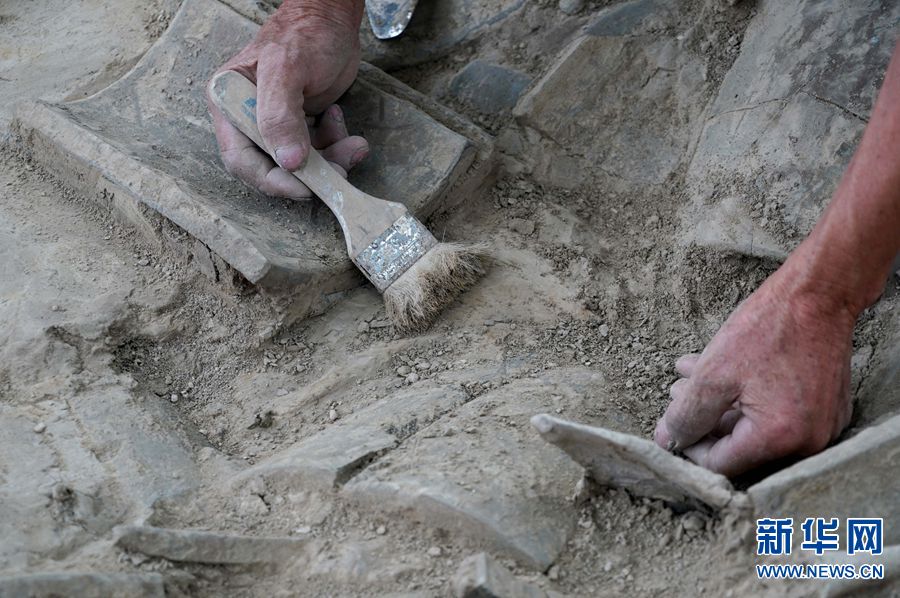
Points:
(417, 275)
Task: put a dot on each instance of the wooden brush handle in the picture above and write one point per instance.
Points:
(362, 217)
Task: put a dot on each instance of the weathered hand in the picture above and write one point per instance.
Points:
(773, 382)
(302, 60)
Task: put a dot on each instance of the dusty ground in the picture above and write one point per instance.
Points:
(589, 278)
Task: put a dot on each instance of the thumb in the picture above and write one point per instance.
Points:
(280, 82)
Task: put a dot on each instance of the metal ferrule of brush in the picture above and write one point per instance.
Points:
(394, 251)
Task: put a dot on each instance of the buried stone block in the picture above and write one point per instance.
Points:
(621, 105)
(783, 127)
(83, 585)
(488, 88)
(480, 576)
(638, 465)
(195, 546)
(333, 456)
(856, 478)
(482, 474)
(146, 144)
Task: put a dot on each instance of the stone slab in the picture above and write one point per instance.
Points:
(887, 587)
(193, 546)
(856, 478)
(615, 104)
(636, 464)
(144, 444)
(488, 88)
(480, 576)
(482, 474)
(333, 456)
(83, 585)
(145, 144)
(783, 127)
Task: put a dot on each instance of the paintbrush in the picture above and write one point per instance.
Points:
(417, 275)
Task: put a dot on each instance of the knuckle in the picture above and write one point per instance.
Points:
(678, 423)
(279, 119)
(232, 163)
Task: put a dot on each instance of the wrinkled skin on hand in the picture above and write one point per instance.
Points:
(301, 63)
(773, 382)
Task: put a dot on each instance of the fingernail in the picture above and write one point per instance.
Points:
(671, 446)
(336, 113)
(358, 156)
(290, 157)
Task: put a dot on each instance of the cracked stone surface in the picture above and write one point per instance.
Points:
(333, 456)
(600, 106)
(783, 127)
(148, 138)
(636, 464)
(526, 513)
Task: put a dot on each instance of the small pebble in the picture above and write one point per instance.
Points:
(553, 573)
(174, 398)
(523, 227)
(435, 551)
(692, 522)
(571, 7)
(412, 378)
(381, 530)
(404, 370)
(39, 428)
(333, 414)
(363, 327)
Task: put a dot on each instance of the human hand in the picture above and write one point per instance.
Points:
(302, 60)
(773, 382)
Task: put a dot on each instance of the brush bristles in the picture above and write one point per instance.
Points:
(416, 298)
